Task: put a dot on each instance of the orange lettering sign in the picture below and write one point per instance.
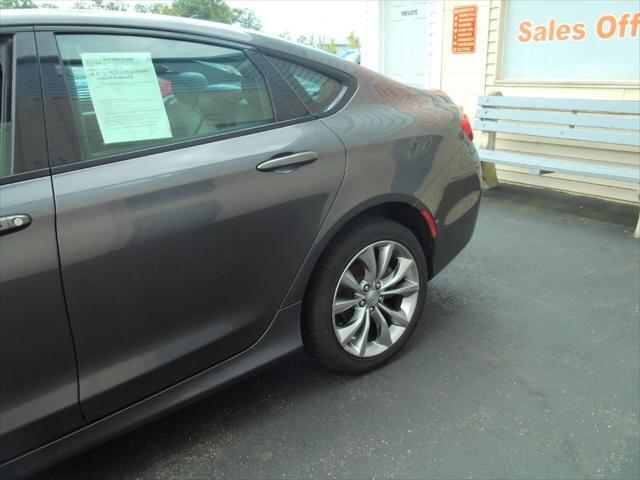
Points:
(607, 26)
(464, 29)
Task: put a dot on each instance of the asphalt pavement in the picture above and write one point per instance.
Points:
(525, 365)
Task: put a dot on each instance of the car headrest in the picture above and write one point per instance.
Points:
(189, 82)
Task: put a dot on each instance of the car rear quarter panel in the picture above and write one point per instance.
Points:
(406, 146)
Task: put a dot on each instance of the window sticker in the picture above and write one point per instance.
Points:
(126, 96)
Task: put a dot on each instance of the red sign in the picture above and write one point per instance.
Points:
(464, 29)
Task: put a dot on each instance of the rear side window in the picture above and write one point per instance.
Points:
(132, 92)
(6, 117)
(318, 92)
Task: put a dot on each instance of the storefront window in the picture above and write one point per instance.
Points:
(573, 41)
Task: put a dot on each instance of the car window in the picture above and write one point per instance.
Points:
(317, 91)
(131, 92)
(6, 118)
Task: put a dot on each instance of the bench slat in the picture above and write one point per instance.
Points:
(564, 133)
(603, 121)
(596, 106)
(626, 174)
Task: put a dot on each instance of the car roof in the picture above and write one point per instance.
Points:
(41, 17)
(148, 21)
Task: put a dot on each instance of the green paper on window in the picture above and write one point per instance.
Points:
(126, 96)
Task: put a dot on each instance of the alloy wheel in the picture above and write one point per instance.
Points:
(375, 298)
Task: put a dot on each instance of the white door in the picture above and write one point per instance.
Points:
(405, 41)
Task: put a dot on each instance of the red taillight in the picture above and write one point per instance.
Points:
(466, 125)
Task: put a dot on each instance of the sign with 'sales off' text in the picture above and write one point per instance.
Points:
(545, 41)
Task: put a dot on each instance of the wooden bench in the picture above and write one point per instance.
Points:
(593, 121)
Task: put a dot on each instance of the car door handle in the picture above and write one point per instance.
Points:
(13, 223)
(287, 163)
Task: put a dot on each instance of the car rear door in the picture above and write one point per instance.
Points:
(177, 242)
(38, 379)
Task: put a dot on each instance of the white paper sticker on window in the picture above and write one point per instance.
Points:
(126, 96)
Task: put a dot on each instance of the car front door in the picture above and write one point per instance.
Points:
(38, 378)
(177, 242)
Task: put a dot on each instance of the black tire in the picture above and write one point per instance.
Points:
(317, 312)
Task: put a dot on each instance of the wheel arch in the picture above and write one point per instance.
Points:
(412, 218)
(403, 209)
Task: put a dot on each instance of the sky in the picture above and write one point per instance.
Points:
(329, 18)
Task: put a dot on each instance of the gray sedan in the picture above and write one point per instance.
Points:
(182, 203)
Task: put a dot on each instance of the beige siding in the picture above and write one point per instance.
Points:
(463, 74)
(434, 44)
(595, 153)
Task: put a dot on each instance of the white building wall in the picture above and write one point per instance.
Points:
(435, 44)
(370, 43)
(463, 74)
(373, 38)
(465, 77)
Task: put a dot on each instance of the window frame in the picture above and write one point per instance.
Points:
(288, 82)
(7, 103)
(137, 147)
(27, 109)
(348, 82)
(56, 92)
(279, 88)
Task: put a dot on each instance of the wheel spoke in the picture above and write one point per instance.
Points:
(368, 258)
(349, 281)
(384, 336)
(348, 331)
(384, 256)
(360, 344)
(397, 317)
(406, 288)
(398, 273)
(342, 304)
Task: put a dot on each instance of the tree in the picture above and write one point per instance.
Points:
(329, 47)
(159, 8)
(353, 41)
(17, 4)
(245, 18)
(309, 41)
(215, 10)
(101, 5)
(303, 40)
